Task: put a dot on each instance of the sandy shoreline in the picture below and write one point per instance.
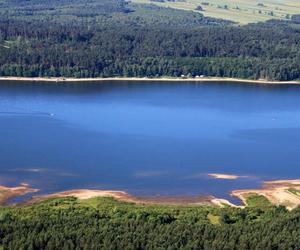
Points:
(7, 193)
(145, 79)
(278, 192)
(83, 194)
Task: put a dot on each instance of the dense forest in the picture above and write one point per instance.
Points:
(104, 223)
(102, 38)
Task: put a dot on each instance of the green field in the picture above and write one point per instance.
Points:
(254, 200)
(241, 11)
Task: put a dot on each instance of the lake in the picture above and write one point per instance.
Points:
(155, 138)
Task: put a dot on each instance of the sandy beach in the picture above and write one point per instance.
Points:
(163, 79)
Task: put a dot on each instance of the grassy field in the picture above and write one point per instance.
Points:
(240, 11)
(254, 200)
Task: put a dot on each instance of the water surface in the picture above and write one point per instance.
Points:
(148, 138)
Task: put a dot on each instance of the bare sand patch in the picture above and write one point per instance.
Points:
(89, 193)
(223, 202)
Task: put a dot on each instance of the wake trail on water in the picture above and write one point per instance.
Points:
(26, 113)
(22, 111)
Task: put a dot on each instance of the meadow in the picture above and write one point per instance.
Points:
(240, 11)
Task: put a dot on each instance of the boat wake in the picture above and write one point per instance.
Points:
(26, 113)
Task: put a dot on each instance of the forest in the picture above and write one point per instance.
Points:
(104, 223)
(102, 38)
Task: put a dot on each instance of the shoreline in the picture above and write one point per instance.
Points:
(277, 192)
(83, 194)
(145, 79)
(8, 193)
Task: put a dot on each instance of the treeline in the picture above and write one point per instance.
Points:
(248, 68)
(139, 40)
(103, 223)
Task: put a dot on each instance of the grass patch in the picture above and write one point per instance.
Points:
(260, 201)
(92, 202)
(294, 191)
(242, 11)
(214, 219)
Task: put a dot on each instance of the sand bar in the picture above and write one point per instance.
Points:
(224, 176)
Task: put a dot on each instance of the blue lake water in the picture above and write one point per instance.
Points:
(148, 138)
